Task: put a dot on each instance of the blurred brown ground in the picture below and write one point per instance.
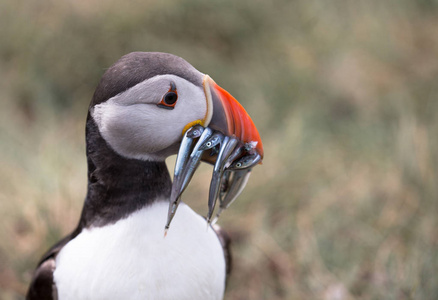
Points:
(345, 94)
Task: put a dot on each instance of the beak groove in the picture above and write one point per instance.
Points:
(230, 117)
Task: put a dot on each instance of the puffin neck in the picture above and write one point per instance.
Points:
(119, 186)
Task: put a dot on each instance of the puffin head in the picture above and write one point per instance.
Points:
(151, 105)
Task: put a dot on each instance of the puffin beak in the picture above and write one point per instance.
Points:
(227, 138)
(229, 117)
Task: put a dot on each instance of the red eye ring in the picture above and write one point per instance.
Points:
(170, 98)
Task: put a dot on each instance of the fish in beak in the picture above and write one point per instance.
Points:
(226, 138)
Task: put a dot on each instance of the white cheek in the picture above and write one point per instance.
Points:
(141, 130)
(128, 128)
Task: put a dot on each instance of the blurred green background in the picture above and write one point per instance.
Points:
(344, 94)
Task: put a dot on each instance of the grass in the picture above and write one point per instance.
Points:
(344, 94)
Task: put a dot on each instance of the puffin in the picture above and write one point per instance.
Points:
(135, 238)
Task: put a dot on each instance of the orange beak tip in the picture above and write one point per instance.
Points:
(230, 116)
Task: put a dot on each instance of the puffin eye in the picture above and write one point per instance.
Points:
(169, 99)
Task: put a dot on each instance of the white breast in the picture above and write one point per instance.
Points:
(131, 259)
